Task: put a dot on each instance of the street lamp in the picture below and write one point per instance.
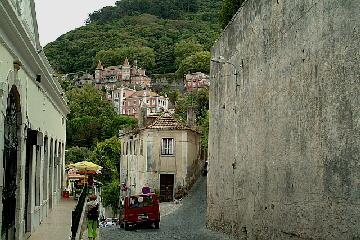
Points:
(221, 59)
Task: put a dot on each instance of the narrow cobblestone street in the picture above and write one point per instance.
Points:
(187, 221)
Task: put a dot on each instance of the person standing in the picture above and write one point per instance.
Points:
(92, 215)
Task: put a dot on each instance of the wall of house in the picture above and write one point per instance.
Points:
(145, 166)
(174, 164)
(284, 132)
(41, 113)
(194, 162)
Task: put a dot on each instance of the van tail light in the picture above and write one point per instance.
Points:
(126, 216)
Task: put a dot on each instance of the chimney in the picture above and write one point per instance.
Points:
(142, 117)
(191, 116)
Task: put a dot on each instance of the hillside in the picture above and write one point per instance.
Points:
(163, 35)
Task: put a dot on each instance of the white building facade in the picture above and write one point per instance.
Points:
(32, 125)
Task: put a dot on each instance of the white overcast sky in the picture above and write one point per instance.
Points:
(55, 17)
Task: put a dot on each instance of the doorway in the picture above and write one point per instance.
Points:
(10, 169)
(167, 187)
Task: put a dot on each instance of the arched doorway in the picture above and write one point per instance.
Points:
(10, 168)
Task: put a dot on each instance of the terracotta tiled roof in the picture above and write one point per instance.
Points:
(168, 121)
(141, 93)
(87, 76)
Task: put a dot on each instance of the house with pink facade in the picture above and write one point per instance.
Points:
(109, 77)
(196, 81)
(154, 103)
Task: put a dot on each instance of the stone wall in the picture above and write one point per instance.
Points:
(284, 132)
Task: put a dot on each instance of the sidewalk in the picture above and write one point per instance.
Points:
(57, 225)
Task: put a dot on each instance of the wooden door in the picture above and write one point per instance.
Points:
(166, 187)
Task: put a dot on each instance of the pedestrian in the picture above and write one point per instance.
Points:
(92, 215)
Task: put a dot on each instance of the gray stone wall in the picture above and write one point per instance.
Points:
(285, 131)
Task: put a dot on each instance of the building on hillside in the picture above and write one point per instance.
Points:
(84, 79)
(155, 103)
(109, 77)
(118, 96)
(196, 81)
(32, 125)
(284, 122)
(164, 155)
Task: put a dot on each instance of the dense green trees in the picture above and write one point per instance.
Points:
(113, 57)
(92, 119)
(107, 154)
(137, 29)
(77, 154)
(110, 196)
(200, 101)
(228, 9)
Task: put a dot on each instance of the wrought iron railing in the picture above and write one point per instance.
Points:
(76, 214)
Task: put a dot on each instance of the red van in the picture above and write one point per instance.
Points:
(135, 209)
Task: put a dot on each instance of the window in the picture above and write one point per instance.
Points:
(141, 201)
(167, 147)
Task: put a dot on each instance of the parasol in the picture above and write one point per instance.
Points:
(85, 165)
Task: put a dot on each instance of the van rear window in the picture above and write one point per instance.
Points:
(141, 201)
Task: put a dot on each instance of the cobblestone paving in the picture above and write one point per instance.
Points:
(179, 221)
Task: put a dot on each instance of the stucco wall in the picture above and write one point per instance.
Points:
(284, 140)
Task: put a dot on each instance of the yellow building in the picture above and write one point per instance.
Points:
(32, 124)
(165, 155)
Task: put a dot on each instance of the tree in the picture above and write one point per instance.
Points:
(174, 96)
(198, 62)
(88, 101)
(107, 154)
(83, 131)
(112, 126)
(110, 195)
(77, 154)
(228, 9)
(198, 99)
(204, 128)
(113, 57)
(186, 48)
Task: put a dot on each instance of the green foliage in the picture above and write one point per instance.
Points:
(198, 99)
(110, 195)
(198, 62)
(88, 101)
(83, 131)
(174, 96)
(228, 9)
(92, 118)
(148, 29)
(77, 154)
(111, 126)
(113, 57)
(107, 154)
(186, 48)
(204, 125)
